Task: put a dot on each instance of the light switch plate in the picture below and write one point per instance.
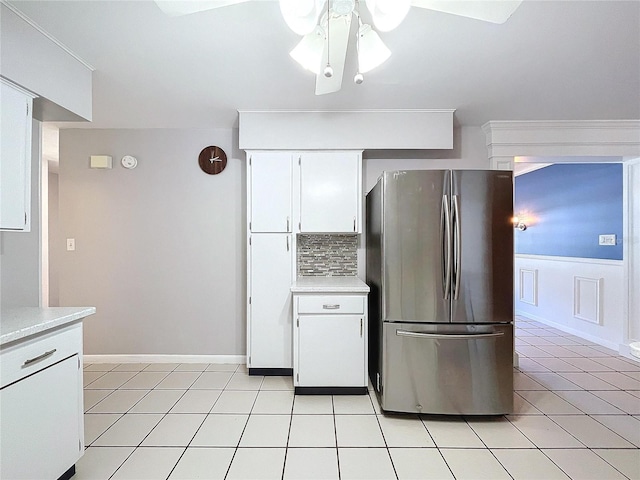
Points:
(71, 244)
(609, 240)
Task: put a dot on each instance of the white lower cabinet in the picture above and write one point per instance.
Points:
(330, 343)
(41, 407)
(269, 308)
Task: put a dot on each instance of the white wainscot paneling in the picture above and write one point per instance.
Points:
(577, 295)
(586, 299)
(528, 286)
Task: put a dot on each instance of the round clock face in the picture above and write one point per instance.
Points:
(212, 160)
(129, 162)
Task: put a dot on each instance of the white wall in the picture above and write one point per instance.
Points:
(20, 251)
(159, 249)
(54, 238)
(34, 61)
(632, 250)
(581, 296)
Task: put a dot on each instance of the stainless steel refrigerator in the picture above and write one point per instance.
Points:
(440, 269)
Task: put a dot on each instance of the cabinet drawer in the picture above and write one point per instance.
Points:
(327, 304)
(32, 355)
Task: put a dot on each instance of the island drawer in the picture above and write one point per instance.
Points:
(328, 304)
(25, 357)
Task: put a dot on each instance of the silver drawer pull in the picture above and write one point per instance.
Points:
(335, 306)
(39, 357)
(450, 336)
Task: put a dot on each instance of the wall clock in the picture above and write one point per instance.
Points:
(212, 160)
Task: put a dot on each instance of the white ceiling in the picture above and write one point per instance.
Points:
(564, 60)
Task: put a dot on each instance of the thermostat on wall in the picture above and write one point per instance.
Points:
(129, 162)
(101, 161)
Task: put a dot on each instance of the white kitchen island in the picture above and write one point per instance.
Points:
(41, 398)
(330, 335)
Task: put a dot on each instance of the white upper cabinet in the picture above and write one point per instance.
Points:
(15, 159)
(270, 192)
(330, 192)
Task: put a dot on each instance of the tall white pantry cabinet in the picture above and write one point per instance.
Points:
(288, 193)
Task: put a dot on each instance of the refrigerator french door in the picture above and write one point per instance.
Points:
(439, 265)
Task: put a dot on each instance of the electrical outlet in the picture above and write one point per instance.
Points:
(608, 240)
(71, 244)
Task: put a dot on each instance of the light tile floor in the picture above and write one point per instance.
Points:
(577, 415)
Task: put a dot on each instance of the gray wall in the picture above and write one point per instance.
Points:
(20, 251)
(160, 250)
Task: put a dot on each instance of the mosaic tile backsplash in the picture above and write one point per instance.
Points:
(327, 255)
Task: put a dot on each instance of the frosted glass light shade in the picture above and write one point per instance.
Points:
(301, 15)
(388, 14)
(308, 52)
(371, 51)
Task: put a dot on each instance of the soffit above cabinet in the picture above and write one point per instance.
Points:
(367, 129)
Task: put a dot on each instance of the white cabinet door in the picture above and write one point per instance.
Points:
(40, 425)
(15, 159)
(330, 190)
(331, 351)
(270, 191)
(270, 308)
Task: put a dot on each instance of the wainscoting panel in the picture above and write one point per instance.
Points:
(577, 295)
(529, 286)
(586, 299)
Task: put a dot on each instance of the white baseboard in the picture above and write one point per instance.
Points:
(572, 331)
(234, 359)
(625, 351)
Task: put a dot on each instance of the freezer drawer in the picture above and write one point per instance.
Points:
(447, 369)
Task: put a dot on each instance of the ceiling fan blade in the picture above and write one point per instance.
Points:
(176, 8)
(494, 11)
(339, 38)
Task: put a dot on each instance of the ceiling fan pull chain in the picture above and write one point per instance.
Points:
(328, 70)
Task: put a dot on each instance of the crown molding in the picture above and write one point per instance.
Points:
(556, 138)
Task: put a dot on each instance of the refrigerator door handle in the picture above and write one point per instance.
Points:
(457, 242)
(445, 336)
(446, 220)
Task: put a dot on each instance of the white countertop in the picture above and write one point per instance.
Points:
(20, 322)
(329, 285)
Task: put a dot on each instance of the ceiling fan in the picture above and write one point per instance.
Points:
(325, 26)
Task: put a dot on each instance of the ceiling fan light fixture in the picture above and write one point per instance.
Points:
(301, 16)
(388, 14)
(371, 51)
(342, 7)
(328, 71)
(308, 53)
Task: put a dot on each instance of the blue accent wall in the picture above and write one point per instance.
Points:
(566, 207)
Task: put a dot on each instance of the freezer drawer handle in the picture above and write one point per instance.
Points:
(39, 357)
(335, 306)
(451, 336)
